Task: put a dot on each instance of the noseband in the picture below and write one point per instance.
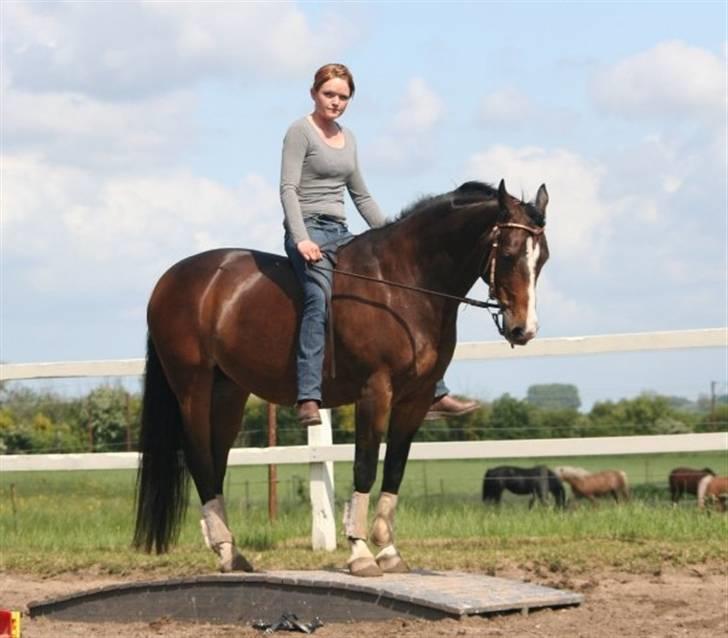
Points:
(497, 314)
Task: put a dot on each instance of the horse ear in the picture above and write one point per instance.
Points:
(542, 198)
(502, 195)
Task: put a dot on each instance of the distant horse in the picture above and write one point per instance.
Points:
(612, 482)
(685, 480)
(223, 324)
(537, 481)
(713, 488)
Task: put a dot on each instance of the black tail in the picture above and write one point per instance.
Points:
(162, 479)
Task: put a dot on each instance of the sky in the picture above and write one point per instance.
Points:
(134, 134)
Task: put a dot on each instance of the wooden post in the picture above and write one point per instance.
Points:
(272, 470)
(128, 422)
(321, 478)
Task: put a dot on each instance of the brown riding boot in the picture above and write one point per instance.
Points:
(308, 413)
(448, 406)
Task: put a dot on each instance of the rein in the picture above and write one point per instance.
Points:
(492, 304)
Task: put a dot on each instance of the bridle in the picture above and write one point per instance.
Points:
(489, 268)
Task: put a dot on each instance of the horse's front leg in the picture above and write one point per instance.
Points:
(371, 422)
(404, 422)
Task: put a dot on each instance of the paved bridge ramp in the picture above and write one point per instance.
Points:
(333, 596)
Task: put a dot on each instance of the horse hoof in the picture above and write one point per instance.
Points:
(364, 567)
(231, 560)
(240, 564)
(392, 564)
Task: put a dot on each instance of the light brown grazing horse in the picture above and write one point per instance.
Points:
(223, 324)
(685, 480)
(713, 489)
(590, 486)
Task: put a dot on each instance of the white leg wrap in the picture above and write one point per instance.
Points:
(221, 500)
(355, 516)
(383, 526)
(388, 552)
(359, 549)
(203, 525)
(213, 517)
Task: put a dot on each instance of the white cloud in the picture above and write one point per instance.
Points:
(70, 225)
(406, 146)
(76, 129)
(506, 106)
(671, 79)
(578, 218)
(121, 49)
(421, 108)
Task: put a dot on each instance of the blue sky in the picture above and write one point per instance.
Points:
(137, 133)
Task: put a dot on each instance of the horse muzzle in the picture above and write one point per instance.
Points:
(518, 333)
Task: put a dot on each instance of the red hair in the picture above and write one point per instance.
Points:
(329, 72)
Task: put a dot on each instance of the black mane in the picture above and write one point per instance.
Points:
(468, 193)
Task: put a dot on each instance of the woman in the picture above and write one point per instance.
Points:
(319, 159)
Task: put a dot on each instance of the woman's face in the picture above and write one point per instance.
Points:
(331, 99)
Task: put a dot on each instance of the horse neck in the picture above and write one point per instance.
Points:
(440, 249)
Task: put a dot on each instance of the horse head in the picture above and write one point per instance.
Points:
(518, 253)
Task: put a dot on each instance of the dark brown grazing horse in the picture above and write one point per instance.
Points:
(685, 480)
(537, 482)
(223, 324)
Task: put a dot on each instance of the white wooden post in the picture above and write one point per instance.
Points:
(321, 478)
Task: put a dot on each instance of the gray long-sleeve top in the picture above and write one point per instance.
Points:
(313, 176)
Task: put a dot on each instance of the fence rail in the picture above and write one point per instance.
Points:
(445, 450)
(547, 347)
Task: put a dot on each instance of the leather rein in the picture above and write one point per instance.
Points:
(492, 304)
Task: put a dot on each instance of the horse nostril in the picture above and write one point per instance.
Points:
(517, 333)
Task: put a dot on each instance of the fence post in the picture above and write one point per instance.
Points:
(272, 470)
(321, 488)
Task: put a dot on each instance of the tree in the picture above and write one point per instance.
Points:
(554, 396)
(509, 419)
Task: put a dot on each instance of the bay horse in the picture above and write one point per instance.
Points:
(603, 483)
(537, 481)
(685, 480)
(713, 488)
(223, 324)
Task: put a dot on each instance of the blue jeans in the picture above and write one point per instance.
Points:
(329, 234)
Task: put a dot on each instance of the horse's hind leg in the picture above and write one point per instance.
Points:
(195, 407)
(403, 426)
(228, 404)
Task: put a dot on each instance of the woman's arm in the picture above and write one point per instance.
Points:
(295, 145)
(364, 202)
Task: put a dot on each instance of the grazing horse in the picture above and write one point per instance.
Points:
(612, 482)
(713, 488)
(537, 481)
(223, 324)
(685, 480)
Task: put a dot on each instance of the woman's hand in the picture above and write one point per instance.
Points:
(309, 250)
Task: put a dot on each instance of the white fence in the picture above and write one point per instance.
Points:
(320, 454)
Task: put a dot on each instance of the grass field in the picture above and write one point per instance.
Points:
(62, 521)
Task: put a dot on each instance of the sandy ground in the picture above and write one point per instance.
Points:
(676, 602)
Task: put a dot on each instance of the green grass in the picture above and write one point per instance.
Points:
(65, 521)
